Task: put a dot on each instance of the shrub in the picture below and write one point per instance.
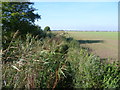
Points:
(32, 65)
(55, 63)
(89, 72)
(47, 28)
(111, 75)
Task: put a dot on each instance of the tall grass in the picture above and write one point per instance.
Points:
(55, 62)
(33, 63)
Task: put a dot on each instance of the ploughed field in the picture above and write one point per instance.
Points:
(102, 44)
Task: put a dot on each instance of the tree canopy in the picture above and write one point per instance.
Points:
(18, 16)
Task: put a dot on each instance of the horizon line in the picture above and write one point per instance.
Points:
(83, 30)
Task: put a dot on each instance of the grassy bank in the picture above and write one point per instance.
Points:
(55, 62)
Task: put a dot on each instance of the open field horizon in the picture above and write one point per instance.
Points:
(102, 43)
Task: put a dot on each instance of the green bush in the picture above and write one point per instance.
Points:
(111, 75)
(89, 72)
(47, 28)
(55, 63)
(7, 36)
(32, 64)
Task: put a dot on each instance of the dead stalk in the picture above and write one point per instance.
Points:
(56, 80)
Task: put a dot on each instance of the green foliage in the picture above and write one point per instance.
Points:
(47, 28)
(62, 49)
(111, 75)
(55, 63)
(89, 72)
(47, 66)
(18, 16)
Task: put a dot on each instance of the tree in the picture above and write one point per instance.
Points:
(18, 16)
(47, 28)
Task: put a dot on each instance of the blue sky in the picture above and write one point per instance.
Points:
(78, 15)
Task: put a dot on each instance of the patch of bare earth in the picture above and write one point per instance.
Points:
(107, 49)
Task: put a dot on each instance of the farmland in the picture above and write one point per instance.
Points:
(103, 44)
(36, 58)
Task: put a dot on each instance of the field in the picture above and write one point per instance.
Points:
(103, 44)
(33, 57)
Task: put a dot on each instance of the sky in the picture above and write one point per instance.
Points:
(89, 16)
